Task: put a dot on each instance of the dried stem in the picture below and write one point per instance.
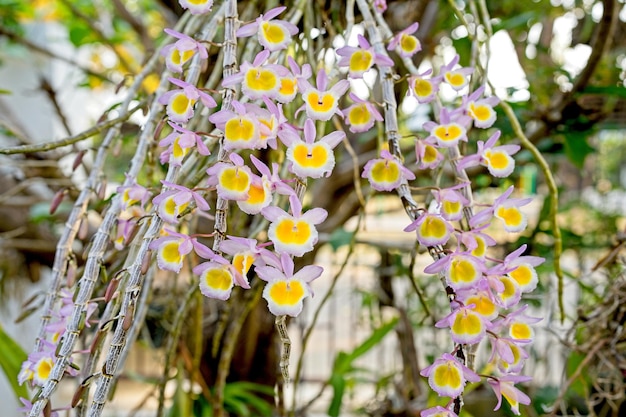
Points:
(46, 146)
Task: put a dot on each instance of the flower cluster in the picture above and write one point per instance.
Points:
(485, 293)
(281, 116)
(249, 125)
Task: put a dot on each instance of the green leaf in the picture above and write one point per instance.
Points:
(577, 148)
(520, 20)
(79, 35)
(11, 358)
(340, 237)
(343, 365)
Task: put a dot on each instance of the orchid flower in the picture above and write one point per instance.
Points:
(179, 142)
(424, 89)
(258, 79)
(438, 411)
(497, 159)
(427, 154)
(181, 51)
(310, 158)
(241, 128)
(451, 202)
(504, 387)
(132, 194)
(172, 202)
(285, 291)
(457, 78)
(431, 228)
(180, 102)
(294, 233)
(321, 103)
(448, 132)
(173, 247)
(273, 34)
(197, 6)
(404, 43)
(462, 270)
(360, 59)
(233, 180)
(447, 376)
(466, 325)
(480, 110)
(361, 115)
(522, 268)
(386, 173)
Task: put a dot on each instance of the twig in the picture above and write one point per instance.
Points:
(590, 356)
(47, 146)
(135, 275)
(172, 342)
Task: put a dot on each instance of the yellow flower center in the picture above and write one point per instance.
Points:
(242, 262)
(322, 104)
(287, 86)
(359, 115)
(286, 293)
(497, 160)
(177, 151)
(481, 248)
(170, 253)
(510, 215)
(259, 79)
(455, 79)
(179, 58)
(44, 366)
(126, 197)
(463, 271)
(520, 331)
(218, 278)
(483, 305)
(430, 154)
(467, 323)
(433, 227)
(480, 112)
(171, 208)
(385, 172)
(522, 274)
(447, 376)
(448, 133)
(408, 43)
(360, 61)
(272, 32)
(290, 232)
(310, 156)
(181, 103)
(239, 129)
(509, 288)
(422, 87)
(234, 179)
(256, 194)
(451, 207)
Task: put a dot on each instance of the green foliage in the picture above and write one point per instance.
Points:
(343, 366)
(243, 399)
(11, 358)
(340, 237)
(577, 148)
